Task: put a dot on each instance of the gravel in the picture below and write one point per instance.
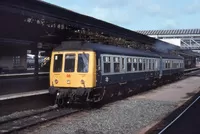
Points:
(122, 117)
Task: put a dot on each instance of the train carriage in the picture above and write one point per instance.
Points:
(86, 72)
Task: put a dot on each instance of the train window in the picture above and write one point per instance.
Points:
(129, 64)
(147, 64)
(58, 58)
(106, 64)
(150, 64)
(116, 64)
(106, 67)
(83, 61)
(144, 64)
(129, 60)
(70, 62)
(116, 67)
(123, 63)
(140, 64)
(156, 64)
(106, 59)
(135, 68)
(153, 64)
(166, 64)
(116, 59)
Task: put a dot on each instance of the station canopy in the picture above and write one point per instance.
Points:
(27, 22)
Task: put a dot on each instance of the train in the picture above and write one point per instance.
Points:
(88, 72)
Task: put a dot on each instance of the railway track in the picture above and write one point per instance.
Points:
(8, 125)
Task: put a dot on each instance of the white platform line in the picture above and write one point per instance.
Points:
(23, 94)
(178, 116)
(21, 74)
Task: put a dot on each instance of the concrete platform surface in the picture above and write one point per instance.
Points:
(19, 85)
(175, 92)
(23, 94)
(188, 123)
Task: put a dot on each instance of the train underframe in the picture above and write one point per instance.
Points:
(65, 96)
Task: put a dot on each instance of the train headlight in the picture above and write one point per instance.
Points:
(82, 82)
(56, 81)
(68, 81)
(58, 94)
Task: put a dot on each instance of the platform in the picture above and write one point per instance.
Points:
(23, 84)
(22, 74)
(23, 94)
(187, 122)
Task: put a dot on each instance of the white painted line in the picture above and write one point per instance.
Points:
(21, 74)
(178, 116)
(23, 94)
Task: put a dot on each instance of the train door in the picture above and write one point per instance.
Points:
(99, 68)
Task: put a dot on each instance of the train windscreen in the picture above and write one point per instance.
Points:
(69, 62)
(83, 61)
(58, 63)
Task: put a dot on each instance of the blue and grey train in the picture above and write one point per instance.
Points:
(88, 72)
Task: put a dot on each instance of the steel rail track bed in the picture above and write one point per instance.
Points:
(15, 124)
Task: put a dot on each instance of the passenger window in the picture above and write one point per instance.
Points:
(116, 64)
(106, 64)
(106, 67)
(153, 64)
(156, 64)
(69, 62)
(166, 64)
(58, 59)
(129, 64)
(140, 64)
(135, 68)
(149, 64)
(123, 64)
(83, 61)
(144, 64)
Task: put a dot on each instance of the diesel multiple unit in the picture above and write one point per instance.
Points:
(87, 72)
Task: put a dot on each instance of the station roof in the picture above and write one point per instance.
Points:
(30, 21)
(53, 15)
(169, 32)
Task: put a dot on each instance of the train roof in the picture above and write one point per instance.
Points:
(110, 49)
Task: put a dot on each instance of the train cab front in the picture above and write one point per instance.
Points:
(72, 75)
